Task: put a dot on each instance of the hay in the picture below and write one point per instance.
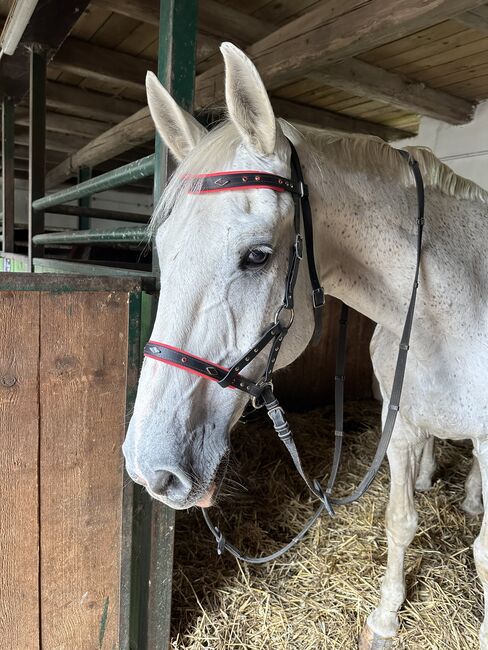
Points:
(319, 595)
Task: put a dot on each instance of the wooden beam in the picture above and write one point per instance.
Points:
(334, 30)
(87, 103)
(364, 79)
(330, 121)
(100, 63)
(475, 19)
(327, 34)
(223, 21)
(147, 11)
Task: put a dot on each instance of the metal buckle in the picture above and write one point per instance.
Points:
(254, 398)
(303, 189)
(278, 314)
(318, 297)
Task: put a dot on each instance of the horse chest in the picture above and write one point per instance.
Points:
(445, 389)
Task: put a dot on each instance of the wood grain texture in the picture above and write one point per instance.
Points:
(309, 381)
(19, 431)
(83, 378)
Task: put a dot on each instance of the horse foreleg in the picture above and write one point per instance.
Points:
(472, 504)
(427, 466)
(480, 546)
(401, 523)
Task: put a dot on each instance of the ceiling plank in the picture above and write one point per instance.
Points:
(147, 11)
(87, 103)
(100, 63)
(364, 79)
(59, 123)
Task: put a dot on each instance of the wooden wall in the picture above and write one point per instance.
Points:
(309, 381)
(63, 363)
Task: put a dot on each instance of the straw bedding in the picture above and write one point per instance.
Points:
(318, 596)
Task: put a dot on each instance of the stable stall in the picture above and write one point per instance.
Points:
(81, 172)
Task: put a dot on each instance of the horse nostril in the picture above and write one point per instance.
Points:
(171, 483)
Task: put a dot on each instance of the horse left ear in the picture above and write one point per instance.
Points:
(247, 100)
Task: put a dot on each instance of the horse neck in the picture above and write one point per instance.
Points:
(366, 242)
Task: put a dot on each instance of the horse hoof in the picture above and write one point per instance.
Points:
(472, 507)
(371, 641)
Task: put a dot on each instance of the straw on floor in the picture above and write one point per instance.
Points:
(319, 595)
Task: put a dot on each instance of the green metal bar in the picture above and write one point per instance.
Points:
(37, 147)
(114, 178)
(135, 235)
(84, 174)
(176, 70)
(8, 175)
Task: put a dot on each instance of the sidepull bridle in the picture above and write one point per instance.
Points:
(261, 391)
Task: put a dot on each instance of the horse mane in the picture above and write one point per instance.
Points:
(354, 152)
(350, 152)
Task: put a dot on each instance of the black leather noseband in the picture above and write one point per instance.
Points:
(261, 390)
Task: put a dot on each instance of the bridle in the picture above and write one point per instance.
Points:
(261, 391)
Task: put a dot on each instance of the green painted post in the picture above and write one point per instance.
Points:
(178, 23)
(37, 147)
(8, 174)
(84, 174)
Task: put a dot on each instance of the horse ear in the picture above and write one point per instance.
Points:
(179, 130)
(247, 100)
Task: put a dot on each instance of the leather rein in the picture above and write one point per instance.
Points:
(261, 391)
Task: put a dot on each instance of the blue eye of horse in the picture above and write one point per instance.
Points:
(256, 257)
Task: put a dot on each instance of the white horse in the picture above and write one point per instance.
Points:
(223, 260)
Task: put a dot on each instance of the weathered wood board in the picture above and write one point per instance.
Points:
(19, 437)
(82, 394)
(63, 378)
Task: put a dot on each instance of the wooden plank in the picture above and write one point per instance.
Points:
(19, 432)
(147, 11)
(83, 379)
(67, 124)
(88, 104)
(329, 121)
(102, 64)
(54, 141)
(225, 22)
(364, 79)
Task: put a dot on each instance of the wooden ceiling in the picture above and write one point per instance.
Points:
(97, 77)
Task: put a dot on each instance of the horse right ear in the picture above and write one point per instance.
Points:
(179, 130)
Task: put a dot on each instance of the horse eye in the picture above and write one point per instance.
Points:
(256, 257)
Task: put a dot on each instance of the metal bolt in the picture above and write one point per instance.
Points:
(8, 381)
